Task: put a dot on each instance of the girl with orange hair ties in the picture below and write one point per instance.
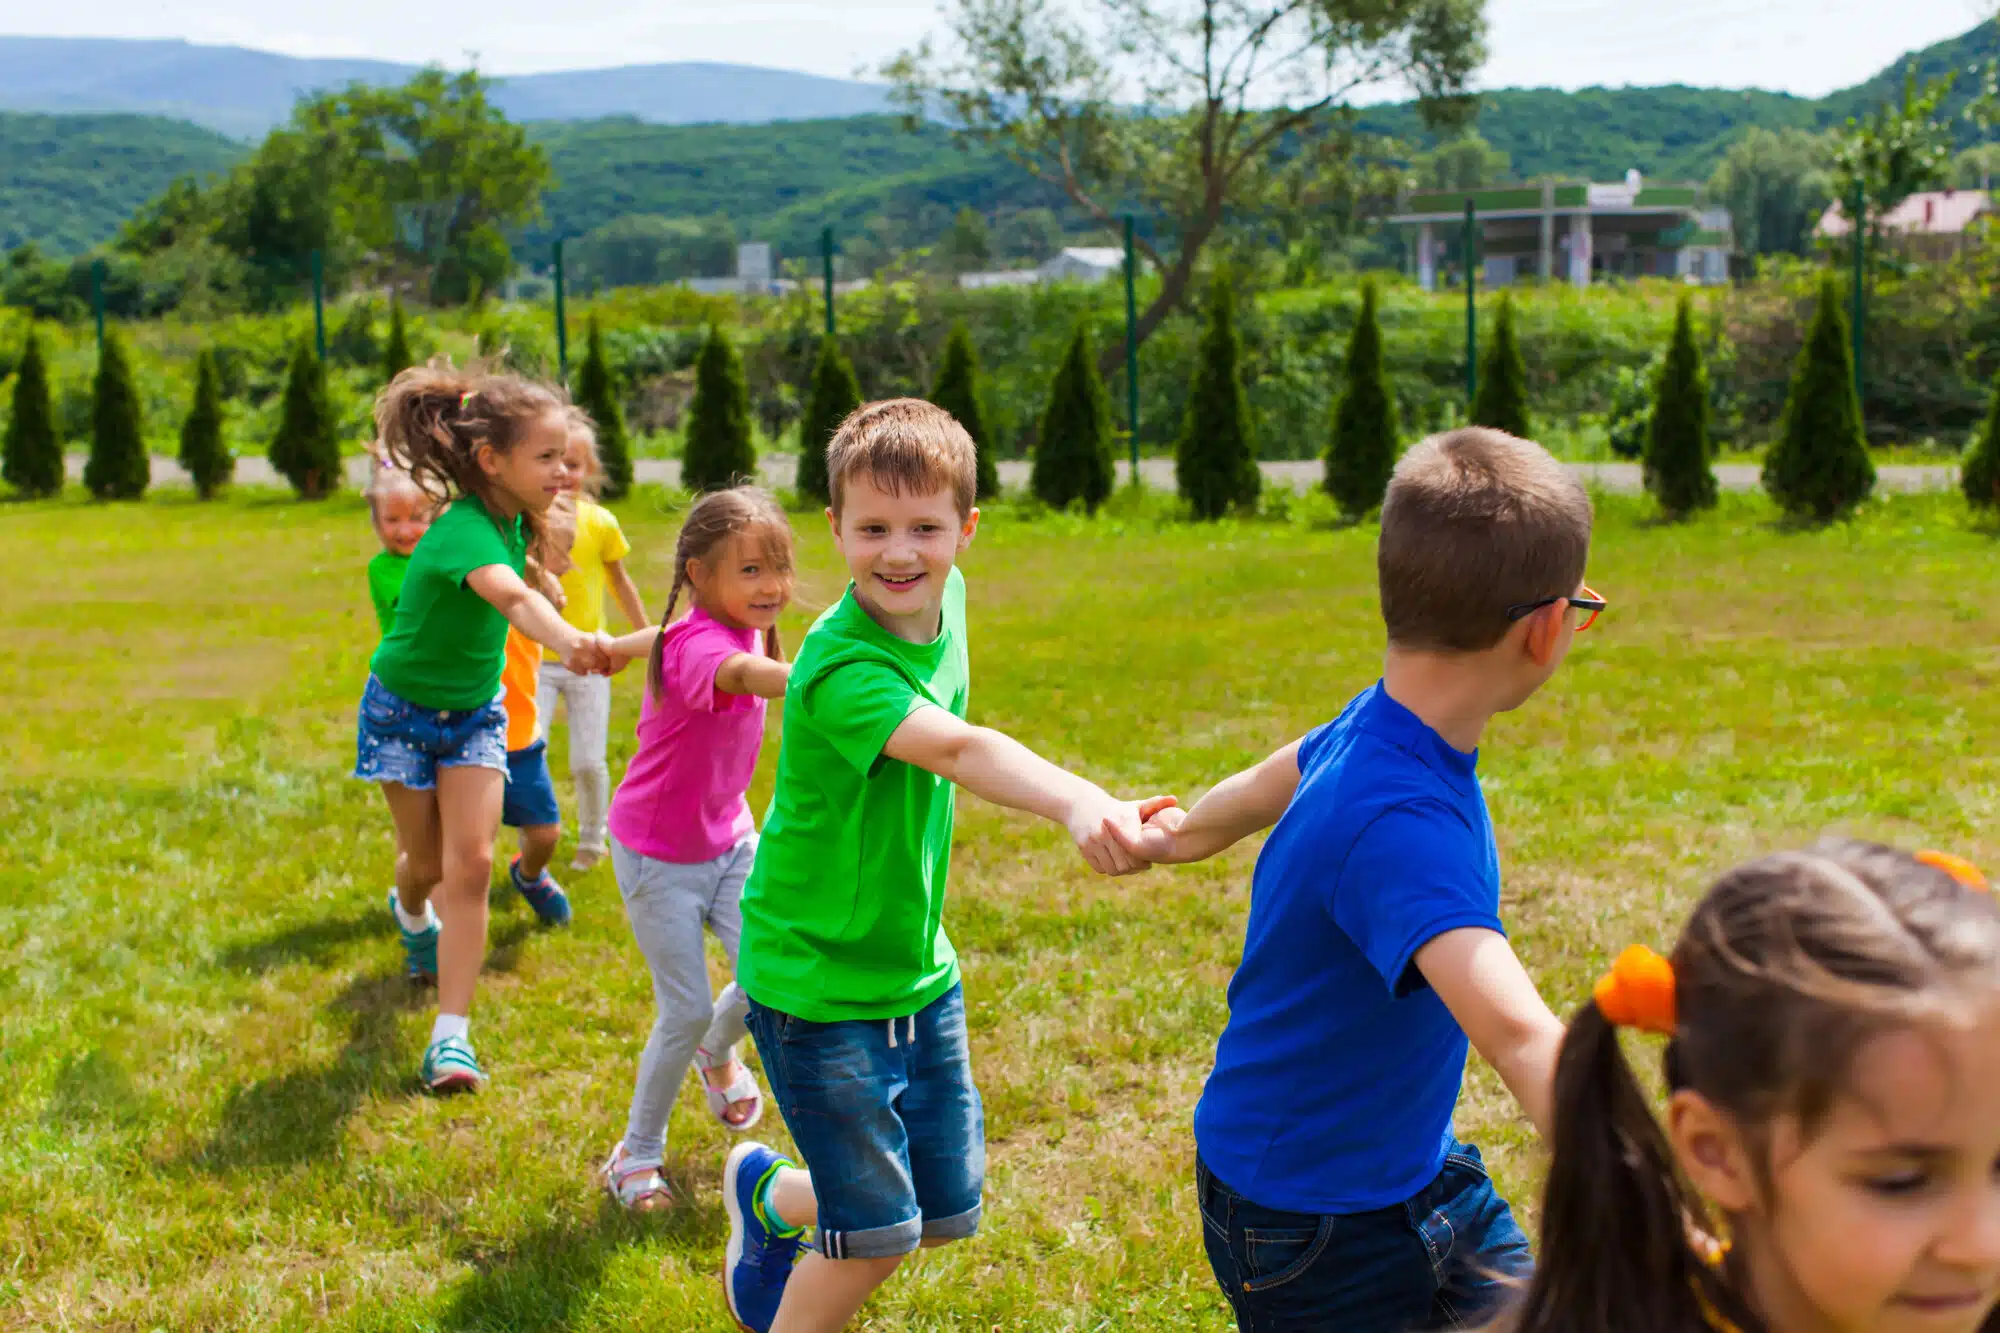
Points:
(1829, 1161)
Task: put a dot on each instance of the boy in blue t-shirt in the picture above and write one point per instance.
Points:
(1333, 1192)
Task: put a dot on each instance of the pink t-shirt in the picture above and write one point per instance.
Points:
(682, 797)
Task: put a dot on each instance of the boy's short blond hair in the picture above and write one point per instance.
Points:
(1476, 521)
(906, 446)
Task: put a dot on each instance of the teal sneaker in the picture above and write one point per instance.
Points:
(551, 904)
(420, 948)
(450, 1066)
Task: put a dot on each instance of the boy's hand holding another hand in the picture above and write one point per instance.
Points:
(1107, 830)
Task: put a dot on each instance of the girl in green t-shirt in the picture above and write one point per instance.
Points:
(432, 730)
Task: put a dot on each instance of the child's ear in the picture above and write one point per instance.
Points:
(970, 527)
(1712, 1152)
(1543, 632)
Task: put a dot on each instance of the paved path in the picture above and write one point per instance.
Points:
(1158, 472)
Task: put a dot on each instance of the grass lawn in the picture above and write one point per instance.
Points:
(208, 1056)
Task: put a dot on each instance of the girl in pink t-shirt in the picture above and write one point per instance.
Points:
(682, 841)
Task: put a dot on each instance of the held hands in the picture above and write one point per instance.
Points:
(591, 655)
(1154, 842)
(1108, 832)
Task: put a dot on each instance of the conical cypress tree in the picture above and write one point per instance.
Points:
(1073, 450)
(1819, 466)
(207, 460)
(719, 452)
(597, 394)
(33, 454)
(117, 468)
(304, 451)
(1215, 463)
(957, 392)
(835, 392)
(1676, 469)
(1362, 455)
(1502, 400)
(1981, 478)
(396, 352)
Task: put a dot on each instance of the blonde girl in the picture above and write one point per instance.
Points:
(597, 563)
(682, 836)
(1829, 1161)
(432, 730)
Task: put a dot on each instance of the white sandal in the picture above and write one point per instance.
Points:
(743, 1088)
(636, 1185)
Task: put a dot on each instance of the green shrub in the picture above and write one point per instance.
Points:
(1819, 466)
(956, 390)
(1073, 452)
(353, 343)
(396, 351)
(597, 394)
(835, 392)
(207, 459)
(1502, 399)
(1362, 453)
(1677, 470)
(1628, 421)
(305, 451)
(1981, 477)
(118, 468)
(718, 451)
(33, 453)
(1215, 463)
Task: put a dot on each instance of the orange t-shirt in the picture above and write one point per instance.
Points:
(518, 679)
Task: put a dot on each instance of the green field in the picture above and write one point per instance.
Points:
(207, 1053)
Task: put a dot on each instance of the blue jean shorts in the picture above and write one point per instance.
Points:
(530, 798)
(396, 741)
(885, 1113)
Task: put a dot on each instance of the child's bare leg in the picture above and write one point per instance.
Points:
(538, 847)
(419, 862)
(468, 804)
(824, 1293)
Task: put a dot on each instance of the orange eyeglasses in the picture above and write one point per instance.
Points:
(1591, 603)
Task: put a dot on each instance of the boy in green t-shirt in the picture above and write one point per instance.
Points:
(854, 991)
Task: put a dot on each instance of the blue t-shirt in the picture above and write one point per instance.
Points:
(1337, 1074)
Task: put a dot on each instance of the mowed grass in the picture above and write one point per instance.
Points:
(208, 1056)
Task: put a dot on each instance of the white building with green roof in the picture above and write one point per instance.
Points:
(1574, 230)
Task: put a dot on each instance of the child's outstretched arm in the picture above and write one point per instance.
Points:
(626, 648)
(1480, 979)
(1000, 769)
(753, 673)
(1238, 806)
(528, 611)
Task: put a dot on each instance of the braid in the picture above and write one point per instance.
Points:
(656, 661)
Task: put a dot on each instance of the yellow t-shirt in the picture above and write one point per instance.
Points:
(519, 673)
(598, 539)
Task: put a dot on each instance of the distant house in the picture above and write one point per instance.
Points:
(1936, 224)
(1084, 263)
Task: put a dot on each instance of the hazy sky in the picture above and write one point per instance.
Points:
(1802, 46)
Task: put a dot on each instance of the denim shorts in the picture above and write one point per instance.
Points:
(1450, 1257)
(396, 741)
(886, 1116)
(530, 798)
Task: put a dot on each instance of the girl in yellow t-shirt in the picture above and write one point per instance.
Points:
(596, 563)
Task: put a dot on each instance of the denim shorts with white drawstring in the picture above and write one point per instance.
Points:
(886, 1115)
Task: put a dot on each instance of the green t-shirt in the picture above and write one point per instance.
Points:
(843, 915)
(385, 585)
(448, 643)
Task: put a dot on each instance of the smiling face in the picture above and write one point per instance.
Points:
(401, 518)
(534, 472)
(899, 551)
(1886, 1218)
(746, 582)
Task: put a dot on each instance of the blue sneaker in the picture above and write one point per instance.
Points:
(759, 1260)
(450, 1066)
(551, 904)
(420, 948)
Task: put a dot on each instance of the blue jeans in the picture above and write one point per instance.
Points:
(1448, 1258)
(885, 1113)
(398, 741)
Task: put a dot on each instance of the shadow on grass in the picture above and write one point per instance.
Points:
(312, 942)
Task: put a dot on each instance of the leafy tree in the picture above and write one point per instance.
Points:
(1977, 168)
(1502, 400)
(1629, 423)
(1775, 184)
(1215, 463)
(1366, 432)
(207, 459)
(957, 392)
(33, 453)
(118, 467)
(1819, 465)
(719, 452)
(1895, 152)
(1677, 468)
(644, 250)
(834, 393)
(597, 394)
(1073, 449)
(1981, 477)
(1228, 86)
(353, 340)
(396, 351)
(305, 451)
(1462, 163)
(967, 247)
(1032, 234)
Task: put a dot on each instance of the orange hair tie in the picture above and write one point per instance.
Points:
(1957, 867)
(1638, 992)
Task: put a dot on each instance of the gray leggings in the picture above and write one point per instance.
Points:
(667, 905)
